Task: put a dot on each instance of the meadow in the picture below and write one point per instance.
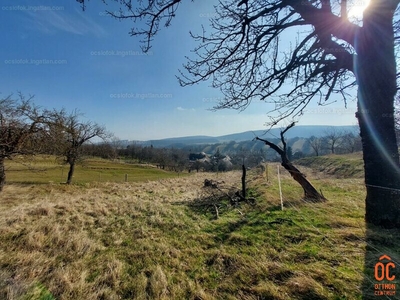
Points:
(48, 169)
(160, 237)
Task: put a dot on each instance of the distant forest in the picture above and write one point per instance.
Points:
(227, 155)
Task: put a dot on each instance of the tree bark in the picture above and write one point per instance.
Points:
(71, 172)
(376, 77)
(310, 193)
(309, 190)
(2, 174)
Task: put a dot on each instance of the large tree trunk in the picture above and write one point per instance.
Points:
(310, 193)
(376, 77)
(2, 174)
(71, 172)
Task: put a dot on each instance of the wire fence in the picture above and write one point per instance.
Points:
(373, 251)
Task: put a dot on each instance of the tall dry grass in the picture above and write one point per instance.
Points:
(61, 237)
(156, 240)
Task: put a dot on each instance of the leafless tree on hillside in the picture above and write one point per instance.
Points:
(310, 193)
(68, 134)
(333, 138)
(316, 144)
(351, 142)
(20, 120)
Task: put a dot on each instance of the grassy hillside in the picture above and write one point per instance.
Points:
(46, 169)
(162, 240)
(344, 166)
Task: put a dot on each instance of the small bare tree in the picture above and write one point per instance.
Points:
(316, 144)
(68, 134)
(351, 142)
(310, 192)
(333, 139)
(20, 120)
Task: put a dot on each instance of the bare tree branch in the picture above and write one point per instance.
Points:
(20, 121)
(68, 134)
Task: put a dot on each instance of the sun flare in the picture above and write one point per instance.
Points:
(357, 8)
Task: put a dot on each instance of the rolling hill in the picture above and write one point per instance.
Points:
(299, 134)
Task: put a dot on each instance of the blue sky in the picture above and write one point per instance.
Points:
(86, 60)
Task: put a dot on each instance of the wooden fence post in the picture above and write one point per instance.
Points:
(244, 181)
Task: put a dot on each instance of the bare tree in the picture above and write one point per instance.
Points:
(333, 139)
(310, 192)
(178, 159)
(351, 142)
(104, 150)
(20, 121)
(68, 134)
(316, 144)
(247, 56)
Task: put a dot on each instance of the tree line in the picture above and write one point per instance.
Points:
(27, 129)
(335, 142)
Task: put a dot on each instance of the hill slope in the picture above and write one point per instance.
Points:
(342, 166)
(295, 132)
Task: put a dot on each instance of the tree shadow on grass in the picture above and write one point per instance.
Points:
(382, 264)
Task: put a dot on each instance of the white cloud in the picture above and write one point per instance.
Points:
(50, 22)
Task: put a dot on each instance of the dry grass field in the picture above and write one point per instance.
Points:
(161, 239)
(48, 169)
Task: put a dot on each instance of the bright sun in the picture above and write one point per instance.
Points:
(356, 10)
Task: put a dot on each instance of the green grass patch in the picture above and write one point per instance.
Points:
(47, 169)
(342, 166)
(38, 292)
